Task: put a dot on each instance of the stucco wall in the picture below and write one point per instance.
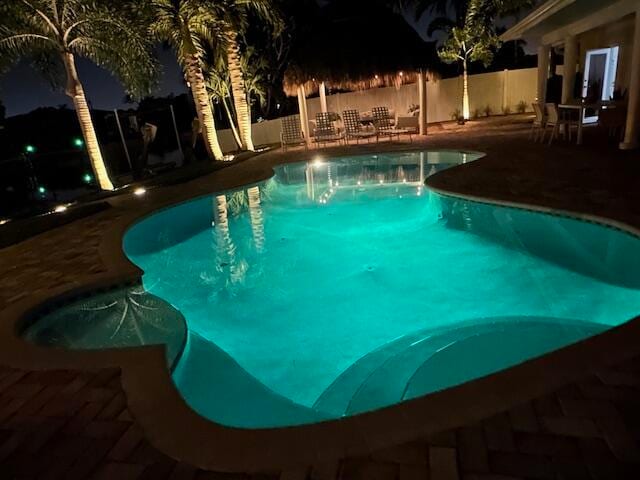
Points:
(618, 33)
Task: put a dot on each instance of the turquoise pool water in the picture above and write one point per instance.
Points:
(343, 286)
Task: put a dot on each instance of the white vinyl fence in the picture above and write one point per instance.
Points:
(495, 91)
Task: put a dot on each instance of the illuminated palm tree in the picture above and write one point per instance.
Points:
(257, 218)
(233, 18)
(476, 39)
(189, 26)
(233, 268)
(52, 33)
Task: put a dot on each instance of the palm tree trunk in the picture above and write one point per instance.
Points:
(257, 219)
(466, 112)
(76, 92)
(203, 107)
(239, 91)
(226, 249)
(234, 129)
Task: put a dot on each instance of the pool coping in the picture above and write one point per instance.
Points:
(186, 436)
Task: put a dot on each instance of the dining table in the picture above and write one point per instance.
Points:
(581, 108)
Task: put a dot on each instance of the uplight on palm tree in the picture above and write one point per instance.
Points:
(473, 37)
(189, 26)
(52, 33)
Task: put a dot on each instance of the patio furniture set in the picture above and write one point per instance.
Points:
(354, 126)
(562, 118)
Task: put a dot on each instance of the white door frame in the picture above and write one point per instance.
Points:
(610, 74)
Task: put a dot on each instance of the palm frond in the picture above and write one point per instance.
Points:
(111, 33)
(116, 40)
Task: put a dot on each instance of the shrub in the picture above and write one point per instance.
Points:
(522, 106)
(475, 114)
(506, 110)
(456, 114)
(488, 110)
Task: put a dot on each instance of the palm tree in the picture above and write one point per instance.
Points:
(257, 218)
(52, 33)
(233, 18)
(220, 90)
(189, 26)
(472, 37)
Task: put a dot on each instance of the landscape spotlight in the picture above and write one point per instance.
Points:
(87, 178)
(78, 142)
(30, 149)
(139, 191)
(42, 190)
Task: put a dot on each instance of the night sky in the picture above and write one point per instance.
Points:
(23, 89)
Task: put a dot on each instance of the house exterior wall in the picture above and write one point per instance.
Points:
(619, 33)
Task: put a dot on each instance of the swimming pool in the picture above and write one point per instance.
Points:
(342, 286)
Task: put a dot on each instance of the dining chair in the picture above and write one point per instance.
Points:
(539, 122)
(559, 122)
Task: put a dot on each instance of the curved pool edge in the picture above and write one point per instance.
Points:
(151, 394)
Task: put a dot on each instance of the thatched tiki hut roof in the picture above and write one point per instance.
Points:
(358, 45)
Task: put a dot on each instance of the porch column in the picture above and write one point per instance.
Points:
(570, 61)
(323, 97)
(633, 110)
(544, 52)
(302, 109)
(505, 90)
(422, 92)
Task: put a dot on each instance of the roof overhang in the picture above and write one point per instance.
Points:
(536, 17)
(555, 20)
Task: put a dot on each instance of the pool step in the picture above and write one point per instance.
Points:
(475, 357)
(404, 368)
(337, 396)
(386, 385)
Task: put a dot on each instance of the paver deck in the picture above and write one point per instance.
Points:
(77, 423)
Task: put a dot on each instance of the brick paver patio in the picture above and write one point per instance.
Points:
(76, 424)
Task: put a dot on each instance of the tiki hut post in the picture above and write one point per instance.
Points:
(323, 97)
(422, 92)
(304, 115)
